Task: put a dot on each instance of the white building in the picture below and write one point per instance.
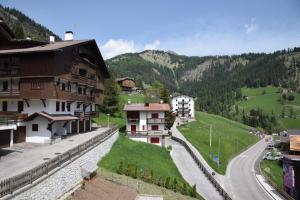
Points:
(146, 122)
(183, 106)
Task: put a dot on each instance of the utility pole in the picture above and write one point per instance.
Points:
(210, 132)
(219, 153)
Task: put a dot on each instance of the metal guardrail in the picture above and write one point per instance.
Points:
(210, 177)
(14, 183)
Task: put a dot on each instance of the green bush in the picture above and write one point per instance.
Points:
(120, 169)
(167, 184)
(193, 191)
(175, 185)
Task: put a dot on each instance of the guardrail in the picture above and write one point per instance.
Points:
(210, 177)
(14, 183)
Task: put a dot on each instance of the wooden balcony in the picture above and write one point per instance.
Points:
(10, 72)
(156, 120)
(10, 93)
(85, 114)
(84, 80)
(13, 115)
(133, 120)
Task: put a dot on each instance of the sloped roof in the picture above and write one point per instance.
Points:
(144, 107)
(51, 118)
(56, 46)
(124, 78)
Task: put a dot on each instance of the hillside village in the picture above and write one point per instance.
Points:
(148, 125)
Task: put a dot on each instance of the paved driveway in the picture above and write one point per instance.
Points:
(26, 156)
(191, 173)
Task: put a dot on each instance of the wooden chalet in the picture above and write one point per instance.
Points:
(127, 84)
(48, 89)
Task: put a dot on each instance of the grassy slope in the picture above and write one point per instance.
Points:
(273, 171)
(234, 138)
(269, 103)
(143, 155)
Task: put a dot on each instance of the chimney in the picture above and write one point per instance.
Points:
(51, 39)
(146, 104)
(68, 36)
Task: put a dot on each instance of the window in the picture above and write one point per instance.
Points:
(84, 91)
(78, 105)
(68, 107)
(37, 85)
(154, 115)
(20, 106)
(57, 106)
(91, 93)
(63, 106)
(69, 86)
(35, 127)
(5, 86)
(154, 140)
(82, 72)
(63, 87)
(92, 76)
(79, 90)
(4, 106)
(154, 127)
(143, 127)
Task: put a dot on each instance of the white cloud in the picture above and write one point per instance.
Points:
(152, 46)
(115, 47)
(251, 27)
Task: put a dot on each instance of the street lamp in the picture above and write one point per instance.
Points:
(108, 120)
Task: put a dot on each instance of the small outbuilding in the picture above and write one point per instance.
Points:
(127, 84)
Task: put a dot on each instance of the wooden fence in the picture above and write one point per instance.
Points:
(203, 169)
(14, 183)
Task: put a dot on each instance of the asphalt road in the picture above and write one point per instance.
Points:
(240, 180)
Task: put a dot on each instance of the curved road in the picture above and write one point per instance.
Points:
(240, 180)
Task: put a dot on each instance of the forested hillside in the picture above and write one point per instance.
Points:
(23, 26)
(215, 80)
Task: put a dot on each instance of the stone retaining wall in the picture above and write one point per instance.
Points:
(67, 177)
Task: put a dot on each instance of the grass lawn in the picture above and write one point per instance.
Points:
(269, 103)
(143, 155)
(234, 138)
(273, 170)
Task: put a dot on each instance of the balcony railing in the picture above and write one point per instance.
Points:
(12, 116)
(82, 114)
(147, 133)
(156, 120)
(9, 92)
(133, 120)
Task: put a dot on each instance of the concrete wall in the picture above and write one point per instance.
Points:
(42, 135)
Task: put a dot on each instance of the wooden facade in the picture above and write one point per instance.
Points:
(48, 89)
(127, 84)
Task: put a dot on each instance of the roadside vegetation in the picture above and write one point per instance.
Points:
(273, 170)
(234, 137)
(147, 162)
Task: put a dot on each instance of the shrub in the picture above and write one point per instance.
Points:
(291, 97)
(169, 147)
(120, 169)
(284, 96)
(151, 176)
(135, 172)
(160, 181)
(175, 185)
(167, 184)
(184, 189)
(127, 171)
(193, 191)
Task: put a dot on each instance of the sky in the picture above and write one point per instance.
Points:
(188, 27)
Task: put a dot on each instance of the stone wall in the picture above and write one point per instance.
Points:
(67, 177)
